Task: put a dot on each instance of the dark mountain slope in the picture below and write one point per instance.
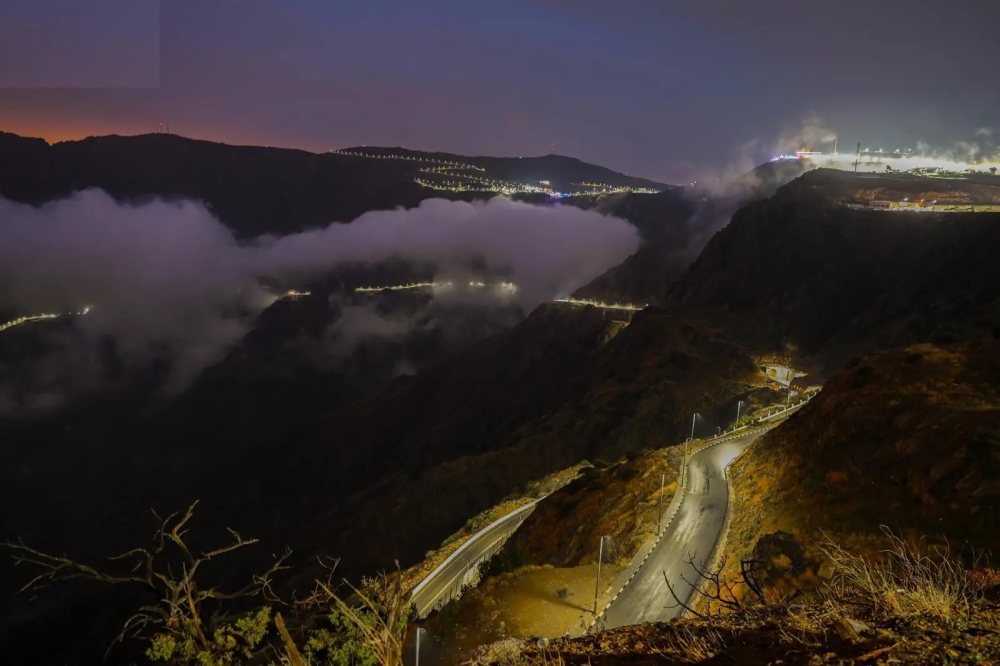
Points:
(800, 271)
(415, 461)
(675, 226)
(252, 189)
(909, 439)
(123, 447)
(663, 222)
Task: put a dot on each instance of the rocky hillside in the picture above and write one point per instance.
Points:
(618, 500)
(907, 439)
(662, 220)
(418, 460)
(675, 226)
(289, 370)
(800, 272)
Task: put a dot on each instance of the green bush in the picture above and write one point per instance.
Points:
(230, 644)
(339, 643)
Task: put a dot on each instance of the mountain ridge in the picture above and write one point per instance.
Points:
(254, 190)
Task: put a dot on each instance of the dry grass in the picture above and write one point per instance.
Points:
(700, 646)
(801, 628)
(905, 582)
(556, 660)
(503, 653)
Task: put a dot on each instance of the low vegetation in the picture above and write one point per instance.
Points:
(910, 604)
(905, 438)
(189, 621)
(618, 499)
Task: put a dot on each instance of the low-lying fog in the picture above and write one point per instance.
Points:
(168, 280)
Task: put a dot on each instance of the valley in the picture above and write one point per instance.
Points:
(457, 401)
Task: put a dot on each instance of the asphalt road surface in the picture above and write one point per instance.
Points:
(450, 576)
(691, 535)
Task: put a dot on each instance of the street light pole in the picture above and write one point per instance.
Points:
(597, 586)
(419, 629)
(687, 446)
(739, 403)
(659, 518)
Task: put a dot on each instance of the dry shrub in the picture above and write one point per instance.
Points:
(698, 645)
(507, 651)
(906, 581)
(801, 628)
(985, 580)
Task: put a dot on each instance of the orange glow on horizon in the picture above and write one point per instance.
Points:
(59, 133)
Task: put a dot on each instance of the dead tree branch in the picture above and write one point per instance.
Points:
(180, 607)
(713, 588)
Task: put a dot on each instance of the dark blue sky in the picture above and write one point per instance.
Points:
(655, 88)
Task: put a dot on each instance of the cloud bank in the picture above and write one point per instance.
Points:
(168, 278)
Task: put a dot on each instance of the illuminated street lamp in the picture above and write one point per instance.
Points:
(687, 445)
(597, 586)
(419, 629)
(659, 518)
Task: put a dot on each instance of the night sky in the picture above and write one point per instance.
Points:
(663, 89)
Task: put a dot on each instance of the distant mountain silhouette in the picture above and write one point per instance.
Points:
(252, 189)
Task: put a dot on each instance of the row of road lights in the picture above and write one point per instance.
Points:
(663, 480)
(421, 630)
(659, 519)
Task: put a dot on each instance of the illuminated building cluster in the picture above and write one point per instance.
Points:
(293, 294)
(472, 183)
(483, 185)
(894, 161)
(29, 318)
(602, 188)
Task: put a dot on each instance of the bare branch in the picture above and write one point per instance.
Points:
(677, 599)
(180, 607)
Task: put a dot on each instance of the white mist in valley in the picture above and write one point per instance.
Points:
(168, 277)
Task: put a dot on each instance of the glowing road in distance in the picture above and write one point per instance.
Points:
(505, 287)
(38, 317)
(583, 302)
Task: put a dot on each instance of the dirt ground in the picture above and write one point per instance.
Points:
(553, 602)
(534, 602)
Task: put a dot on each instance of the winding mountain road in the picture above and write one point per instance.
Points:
(690, 537)
(447, 579)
